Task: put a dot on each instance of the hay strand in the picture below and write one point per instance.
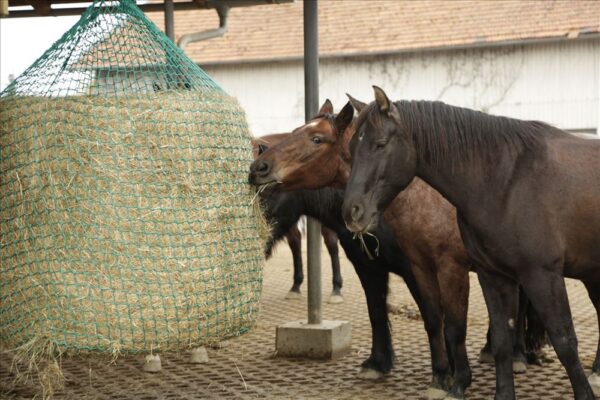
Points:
(363, 245)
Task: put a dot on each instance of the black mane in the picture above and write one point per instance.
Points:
(442, 131)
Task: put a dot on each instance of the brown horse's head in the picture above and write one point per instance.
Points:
(384, 162)
(261, 144)
(311, 157)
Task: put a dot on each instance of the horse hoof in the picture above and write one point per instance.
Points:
(293, 295)
(538, 358)
(486, 358)
(369, 374)
(336, 299)
(435, 393)
(594, 380)
(519, 367)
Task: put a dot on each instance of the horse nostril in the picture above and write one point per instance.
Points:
(356, 212)
(262, 167)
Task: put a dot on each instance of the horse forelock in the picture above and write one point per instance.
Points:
(317, 120)
(329, 118)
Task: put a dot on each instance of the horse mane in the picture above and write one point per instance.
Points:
(445, 132)
(323, 202)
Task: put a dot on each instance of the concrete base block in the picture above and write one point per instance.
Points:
(328, 340)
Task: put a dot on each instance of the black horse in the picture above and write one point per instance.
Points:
(528, 202)
(325, 206)
(277, 215)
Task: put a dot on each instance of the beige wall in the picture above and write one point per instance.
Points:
(557, 83)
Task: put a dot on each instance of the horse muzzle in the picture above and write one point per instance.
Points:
(260, 173)
(359, 217)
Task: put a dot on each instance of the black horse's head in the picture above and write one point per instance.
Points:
(384, 161)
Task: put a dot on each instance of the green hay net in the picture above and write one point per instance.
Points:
(126, 221)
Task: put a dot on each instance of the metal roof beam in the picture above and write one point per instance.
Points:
(145, 7)
(41, 7)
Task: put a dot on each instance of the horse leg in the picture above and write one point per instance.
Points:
(294, 240)
(454, 289)
(547, 292)
(519, 359)
(500, 296)
(594, 293)
(375, 285)
(331, 241)
(429, 303)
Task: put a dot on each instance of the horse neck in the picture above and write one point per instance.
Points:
(343, 171)
(324, 205)
(343, 153)
(470, 183)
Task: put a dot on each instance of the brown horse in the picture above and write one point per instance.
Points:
(528, 202)
(276, 209)
(315, 156)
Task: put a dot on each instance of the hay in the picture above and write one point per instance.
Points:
(126, 223)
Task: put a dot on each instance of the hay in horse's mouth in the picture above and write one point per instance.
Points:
(363, 245)
(261, 188)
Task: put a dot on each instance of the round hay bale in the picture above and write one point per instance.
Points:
(127, 222)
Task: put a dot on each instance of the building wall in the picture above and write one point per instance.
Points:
(557, 83)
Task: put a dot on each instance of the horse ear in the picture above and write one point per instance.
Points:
(259, 146)
(359, 105)
(326, 108)
(381, 99)
(344, 118)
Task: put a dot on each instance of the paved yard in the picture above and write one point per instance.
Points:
(247, 367)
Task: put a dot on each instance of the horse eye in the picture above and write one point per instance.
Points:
(380, 145)
(317, 140)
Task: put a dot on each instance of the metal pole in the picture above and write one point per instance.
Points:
(169, 24)
(311, 106)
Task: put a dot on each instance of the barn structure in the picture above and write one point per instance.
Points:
(534, 59)
(530, 60)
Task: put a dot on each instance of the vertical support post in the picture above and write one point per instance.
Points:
(598, 131)
(169, 24)
(3, 8)
(311, 106)
(317, 338)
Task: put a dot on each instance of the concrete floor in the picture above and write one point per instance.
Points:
(247, 367)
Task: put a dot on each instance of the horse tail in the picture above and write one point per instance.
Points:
(535, 332)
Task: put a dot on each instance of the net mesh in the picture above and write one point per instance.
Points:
(126, 220)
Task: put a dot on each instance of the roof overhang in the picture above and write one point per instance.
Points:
(58, 8)
(481, 44)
